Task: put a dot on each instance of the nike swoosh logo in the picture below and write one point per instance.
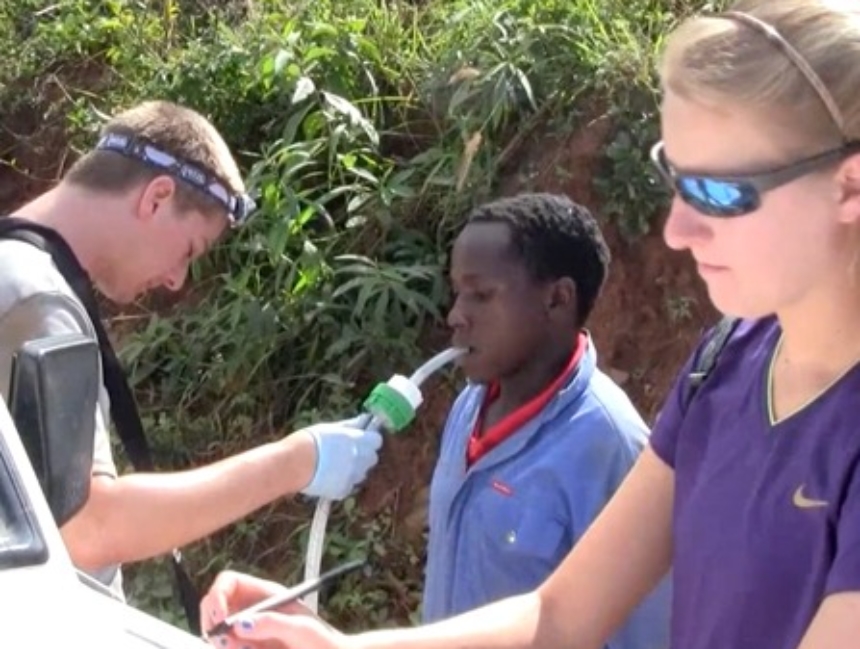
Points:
(802, 502)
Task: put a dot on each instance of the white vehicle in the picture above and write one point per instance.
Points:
(44, 479)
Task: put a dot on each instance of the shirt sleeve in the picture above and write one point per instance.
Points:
(844, 575)
(667, 426)
(41, 316)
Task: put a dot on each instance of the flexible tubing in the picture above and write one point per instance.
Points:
(435, 364)
(316, 538)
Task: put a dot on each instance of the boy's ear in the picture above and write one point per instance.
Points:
(562, 294)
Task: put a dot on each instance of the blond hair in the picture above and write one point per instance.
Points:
(747, 61)
(174, 129)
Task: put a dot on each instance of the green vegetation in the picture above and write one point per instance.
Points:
(368, 128)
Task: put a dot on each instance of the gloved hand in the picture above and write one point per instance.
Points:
(345, 453)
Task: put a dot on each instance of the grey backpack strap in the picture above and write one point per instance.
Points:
(708, 357)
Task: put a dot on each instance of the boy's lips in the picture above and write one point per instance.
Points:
(470, 350)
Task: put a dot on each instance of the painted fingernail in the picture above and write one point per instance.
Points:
(246, 624)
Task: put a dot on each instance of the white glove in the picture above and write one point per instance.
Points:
(345, 453)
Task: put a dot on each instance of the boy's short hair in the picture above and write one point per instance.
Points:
(555, 237)
(173, 129)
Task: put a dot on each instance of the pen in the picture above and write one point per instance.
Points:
(287, 596)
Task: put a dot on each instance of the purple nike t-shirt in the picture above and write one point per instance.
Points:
(766, 521)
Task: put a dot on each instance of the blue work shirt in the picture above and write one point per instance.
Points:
(502, 526)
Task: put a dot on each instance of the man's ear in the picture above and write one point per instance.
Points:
(156, 193)
(848, 190)
(561, 297)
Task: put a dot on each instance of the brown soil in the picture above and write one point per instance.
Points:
(34, 149)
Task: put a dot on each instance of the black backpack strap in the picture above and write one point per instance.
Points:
(123, 411)
(708, 356)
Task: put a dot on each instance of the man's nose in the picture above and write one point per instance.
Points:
(176, 280)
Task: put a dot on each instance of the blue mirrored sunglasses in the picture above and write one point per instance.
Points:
(739, 194)
(239, 207)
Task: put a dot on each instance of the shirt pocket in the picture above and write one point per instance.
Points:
(521, 526)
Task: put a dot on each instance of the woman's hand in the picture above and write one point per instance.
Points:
(291, 627)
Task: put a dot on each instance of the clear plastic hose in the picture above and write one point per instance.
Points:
(316, 538)
(435, 364)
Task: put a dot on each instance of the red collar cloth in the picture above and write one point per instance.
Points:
(481, 444)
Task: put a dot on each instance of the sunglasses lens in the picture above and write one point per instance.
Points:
(718, 197)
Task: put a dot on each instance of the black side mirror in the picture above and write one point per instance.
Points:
(53, 395)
